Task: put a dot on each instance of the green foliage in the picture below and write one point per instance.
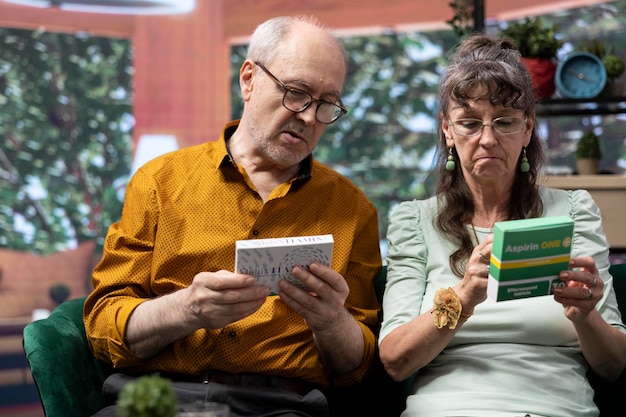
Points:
(462, 22)
(533, 38)
(65, 129)
(385, 143)
(614, 66)
(148, 396)
(588, 146)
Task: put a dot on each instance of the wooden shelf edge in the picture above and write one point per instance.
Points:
(594, 182)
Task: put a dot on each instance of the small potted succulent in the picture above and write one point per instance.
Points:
(148, 396)
(538, 44)
(614, 65)
(588, 154)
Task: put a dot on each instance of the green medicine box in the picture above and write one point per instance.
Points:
(527, 257)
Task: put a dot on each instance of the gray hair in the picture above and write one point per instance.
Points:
(270, 33)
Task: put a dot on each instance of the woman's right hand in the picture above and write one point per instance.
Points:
(472, 289)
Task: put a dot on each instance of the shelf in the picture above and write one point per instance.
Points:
(581, 107)
(609, 192)
(588, 182)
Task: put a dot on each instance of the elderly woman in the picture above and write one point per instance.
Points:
(526, 357)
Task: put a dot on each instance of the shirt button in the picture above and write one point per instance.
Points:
(233, 333)
(255, 232)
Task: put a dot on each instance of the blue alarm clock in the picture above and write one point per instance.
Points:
(580, 75)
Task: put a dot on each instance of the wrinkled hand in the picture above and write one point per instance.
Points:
(582, 290)
(472, 290)
(324, 303)
(216, 299)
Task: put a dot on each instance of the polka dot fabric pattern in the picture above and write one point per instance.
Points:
(183, 213)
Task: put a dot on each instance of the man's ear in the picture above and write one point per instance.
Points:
(246, 78)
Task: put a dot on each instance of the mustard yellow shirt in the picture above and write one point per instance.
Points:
(182, 214)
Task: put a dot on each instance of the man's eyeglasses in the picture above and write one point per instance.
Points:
(501, 125)
(297, 101)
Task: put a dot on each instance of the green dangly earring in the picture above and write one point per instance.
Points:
(524, 166)
(450, 164)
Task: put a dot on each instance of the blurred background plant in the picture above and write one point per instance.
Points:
(534, 38)
(462, 21)
(589, 146)
(148, 396)
(614, 65)
(65, 128)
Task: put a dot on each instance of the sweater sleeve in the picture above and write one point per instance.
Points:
(590, 240)
(407, 272)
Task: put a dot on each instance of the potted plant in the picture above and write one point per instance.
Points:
(615, 67)
(148, 396)
(588, 154)
(538, 45)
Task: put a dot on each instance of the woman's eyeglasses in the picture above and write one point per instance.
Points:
(501, 125)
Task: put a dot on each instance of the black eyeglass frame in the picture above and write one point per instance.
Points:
(287, 90)
(483, 124)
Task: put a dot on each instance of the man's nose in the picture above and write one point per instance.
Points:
(308, 115)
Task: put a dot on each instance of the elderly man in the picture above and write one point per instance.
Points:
(165, 296)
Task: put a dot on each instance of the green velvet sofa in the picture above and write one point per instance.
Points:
(69, 378)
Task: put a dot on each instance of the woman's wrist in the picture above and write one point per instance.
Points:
(447, 309)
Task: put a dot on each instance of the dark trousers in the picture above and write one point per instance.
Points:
(244, 400)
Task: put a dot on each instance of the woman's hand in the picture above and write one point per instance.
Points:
(472, 290)
(582, 290)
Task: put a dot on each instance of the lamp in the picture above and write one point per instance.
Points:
(150, 146)
(114, 6)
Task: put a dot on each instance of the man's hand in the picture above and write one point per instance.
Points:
(217, 299)
(337, 334)
(326, 300)
(213, 300)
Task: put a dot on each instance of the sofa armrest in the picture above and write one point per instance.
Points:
(609, 394)
(68, 377)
